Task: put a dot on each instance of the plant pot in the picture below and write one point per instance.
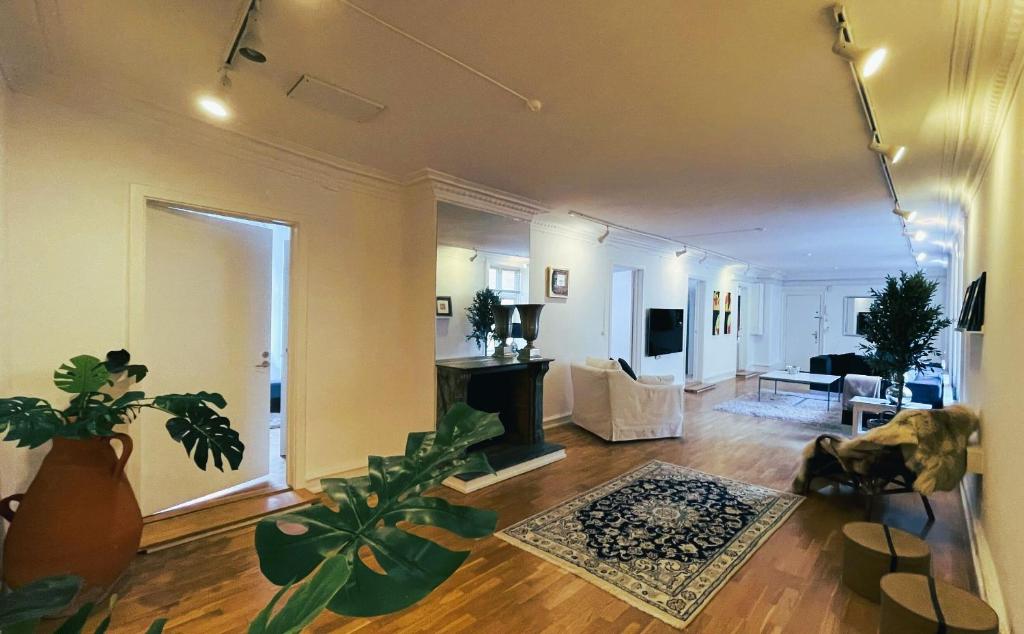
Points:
(79, 516)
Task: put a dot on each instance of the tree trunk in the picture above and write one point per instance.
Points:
(899, 399)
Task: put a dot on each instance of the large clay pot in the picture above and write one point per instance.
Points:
(79, 516)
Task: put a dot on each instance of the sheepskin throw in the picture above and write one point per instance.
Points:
(933, 442)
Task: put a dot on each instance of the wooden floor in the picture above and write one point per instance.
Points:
(790, 585)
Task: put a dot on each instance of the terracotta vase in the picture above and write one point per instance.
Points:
(79, 516)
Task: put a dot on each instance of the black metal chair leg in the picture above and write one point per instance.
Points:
(869, 506)
(928, 508)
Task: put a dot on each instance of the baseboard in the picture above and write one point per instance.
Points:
(557, 421)
(718, 378)
(984, 566)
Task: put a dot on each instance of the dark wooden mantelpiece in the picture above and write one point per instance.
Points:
(513, 389)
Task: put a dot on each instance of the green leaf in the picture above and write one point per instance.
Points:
(37, 600)
(291, 546)
(201, 429)
(308, 601)
(83, 373)
(76, 623)
(28, 421)
(156, 627)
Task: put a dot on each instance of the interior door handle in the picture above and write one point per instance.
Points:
(265, 364)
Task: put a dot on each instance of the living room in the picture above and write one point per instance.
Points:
(602, 297)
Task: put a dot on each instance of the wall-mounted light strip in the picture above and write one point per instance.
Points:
(654, 236)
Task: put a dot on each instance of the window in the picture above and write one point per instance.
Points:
(506, 281)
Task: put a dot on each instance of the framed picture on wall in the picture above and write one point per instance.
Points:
(444, 306)
(558, 282)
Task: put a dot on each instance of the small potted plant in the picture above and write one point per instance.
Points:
(481, 319)
(79, 515)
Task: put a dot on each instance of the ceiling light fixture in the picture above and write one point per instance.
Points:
(866, 61)
(920, 235)
(251, 45)
(213, 106)
(681, 252)
(475, 255)
(604, 236)
(892, 152)
(904, 213)
(921, 257)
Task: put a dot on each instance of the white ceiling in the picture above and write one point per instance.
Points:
(471, 229)
(673, 117)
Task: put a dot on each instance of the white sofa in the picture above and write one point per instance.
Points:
(610, 404)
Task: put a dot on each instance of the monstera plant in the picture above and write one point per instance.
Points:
(95, 410)
(323, 543)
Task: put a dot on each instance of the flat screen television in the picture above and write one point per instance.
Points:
(665, 328)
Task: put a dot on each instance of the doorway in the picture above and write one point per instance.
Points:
(694, 319)
(741, 335)
(215, 319)
(802, 329)
(625, 315)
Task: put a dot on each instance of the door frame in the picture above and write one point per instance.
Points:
(141, 195)
(785, 322)
(742, 340)
(637, 316)
(697, 314)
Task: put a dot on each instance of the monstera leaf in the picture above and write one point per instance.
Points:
(307, 602)
(291, 546)
(201, 429)
(28, 421)
(21, 609)
(83, 373)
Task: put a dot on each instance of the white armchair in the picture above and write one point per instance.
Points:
(608, 403)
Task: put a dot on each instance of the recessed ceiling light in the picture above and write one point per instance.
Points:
(213, 107)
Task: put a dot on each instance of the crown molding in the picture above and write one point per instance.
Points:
(985, 70)
(292, 159)
(458, 191)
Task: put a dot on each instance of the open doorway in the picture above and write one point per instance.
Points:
(625, 315)
(694, 319)
(215, 318)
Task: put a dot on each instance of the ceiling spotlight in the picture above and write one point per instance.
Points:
(680, 252)
(905, 214)
(892, 152)
(867, 61)
(920, 235)
(604, 236)
(250, 45)
(921, 257)
(213, 106)
(475, 255)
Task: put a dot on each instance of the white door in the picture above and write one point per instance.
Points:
(740, 320)
(802, 329)
(206, 327)
(620, 335)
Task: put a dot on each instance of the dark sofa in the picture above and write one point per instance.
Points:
(926, 386)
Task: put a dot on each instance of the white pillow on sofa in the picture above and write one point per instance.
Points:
(602, 364)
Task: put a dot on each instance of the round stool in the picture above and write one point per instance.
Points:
(871, 551)
(913, 604)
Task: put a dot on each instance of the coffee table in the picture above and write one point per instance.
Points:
(803, 378)
(864, 404)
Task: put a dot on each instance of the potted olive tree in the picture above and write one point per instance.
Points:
(900, 328)
(79, 515)
(481, 319)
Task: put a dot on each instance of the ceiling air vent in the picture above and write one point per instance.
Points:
(328, 97)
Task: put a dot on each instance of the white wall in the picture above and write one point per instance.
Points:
(992, 361)
(765, 350)
(10, 469)
(620, 335)
(718, 351)
(369, 359)
(834, 292)
(577, 327)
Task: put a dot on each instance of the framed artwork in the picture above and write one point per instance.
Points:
(728, 313)
(716, 312)
(444, 306)
(558, 282)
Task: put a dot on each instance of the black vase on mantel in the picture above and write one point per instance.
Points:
(529, 315)
(502, 314)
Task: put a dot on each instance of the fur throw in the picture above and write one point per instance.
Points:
(933, 444)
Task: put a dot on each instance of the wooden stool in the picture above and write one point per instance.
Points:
(909, 607)
(871, 551)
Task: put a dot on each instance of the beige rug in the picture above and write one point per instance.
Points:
(662, 537)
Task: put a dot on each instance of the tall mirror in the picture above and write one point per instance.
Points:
(477, 250)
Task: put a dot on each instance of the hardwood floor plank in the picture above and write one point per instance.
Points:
(791, 584)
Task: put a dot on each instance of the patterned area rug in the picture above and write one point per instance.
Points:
(797, 407)
(662, 537)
